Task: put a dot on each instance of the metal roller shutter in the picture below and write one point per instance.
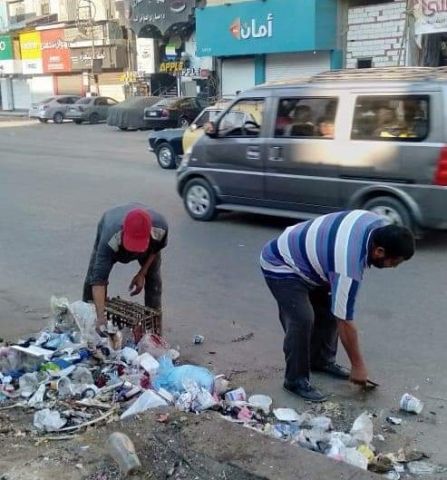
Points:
(284, 66)
(21, 93)
(237, 74)
(111, 85)
(69, 85)
(41, 88)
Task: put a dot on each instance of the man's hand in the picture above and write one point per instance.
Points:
(137, 284)
(101, 324)
(359, 375)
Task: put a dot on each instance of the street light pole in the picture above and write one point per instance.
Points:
(91, 26)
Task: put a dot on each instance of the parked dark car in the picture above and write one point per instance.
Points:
(129, 115)
(170, 144)
(171, 112)
(90, 109)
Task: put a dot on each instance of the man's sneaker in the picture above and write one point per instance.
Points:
(304, 389)
(334, 370)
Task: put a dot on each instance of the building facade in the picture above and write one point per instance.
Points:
(60, 47)
(377, 35)
(256, 42)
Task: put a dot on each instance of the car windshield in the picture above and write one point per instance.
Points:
(84, 101)
(214, 114)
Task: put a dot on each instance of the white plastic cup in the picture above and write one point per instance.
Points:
(261, 402)
(411, 404)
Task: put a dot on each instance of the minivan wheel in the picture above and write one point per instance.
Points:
(199, 200)
(166, 156)
(58, 117)
(390, 208)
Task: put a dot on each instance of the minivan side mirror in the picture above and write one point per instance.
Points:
(210, 129)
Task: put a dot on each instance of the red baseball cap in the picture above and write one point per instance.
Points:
(137, 231)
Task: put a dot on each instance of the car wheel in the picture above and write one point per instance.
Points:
(78, 122)
(58, 117)
(166, 156)
(200, 200)
(43, 120)
(392, 209)
(183, 122)
(123, 129)
(94, 118)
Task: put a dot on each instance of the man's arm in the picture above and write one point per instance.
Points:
(99, 299)
(137, 283)
(349, 338)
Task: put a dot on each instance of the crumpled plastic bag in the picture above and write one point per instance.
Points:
(195, 399)
(315, 440)
(37, 399)
(84, 315)
(47, 420)
(145, 401)
(338, 451)
(177, 379)
(362, 429)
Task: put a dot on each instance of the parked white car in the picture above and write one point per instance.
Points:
(53, 108)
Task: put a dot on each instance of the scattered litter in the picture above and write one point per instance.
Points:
(148, 363)
(421, 468)
(411, 404)
(173, 379)
(392, 475)
(362, 429)
(261, 402)
(286, 415)
(122, 450)
(47, 420)
(145, 401)
(221, 385)
(366, 452)
(243, 338)
(381, 464)
(237, 395)
(394, 420)
(198, 339)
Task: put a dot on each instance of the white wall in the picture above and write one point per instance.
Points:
(376, 32)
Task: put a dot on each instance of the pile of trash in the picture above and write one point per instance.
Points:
(72, 378)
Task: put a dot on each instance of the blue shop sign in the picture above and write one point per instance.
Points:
(266, 26)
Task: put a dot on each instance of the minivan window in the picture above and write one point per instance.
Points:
(308, 117)
(243, 119)
(391, 118)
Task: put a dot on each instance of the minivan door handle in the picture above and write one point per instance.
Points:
(253, 153)
(276, 154)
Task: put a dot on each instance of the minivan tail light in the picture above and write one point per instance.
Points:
(165, 113)
(441, 170)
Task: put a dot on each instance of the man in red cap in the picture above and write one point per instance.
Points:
(127, 233)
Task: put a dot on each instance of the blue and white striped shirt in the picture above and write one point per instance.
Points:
(330, 250)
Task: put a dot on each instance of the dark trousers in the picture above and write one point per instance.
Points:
(152, 285)
(311, 335)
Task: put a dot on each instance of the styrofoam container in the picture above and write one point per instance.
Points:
(261, 402)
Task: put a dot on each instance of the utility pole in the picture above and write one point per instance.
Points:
(89, 22)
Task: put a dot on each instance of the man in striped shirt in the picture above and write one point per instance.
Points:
(314, 270)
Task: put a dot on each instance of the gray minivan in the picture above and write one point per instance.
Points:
(374, 139)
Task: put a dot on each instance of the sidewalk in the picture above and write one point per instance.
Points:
(13, 114)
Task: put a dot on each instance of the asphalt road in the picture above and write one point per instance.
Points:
(56, 180)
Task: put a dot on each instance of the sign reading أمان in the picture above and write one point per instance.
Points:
(243, 30)
(430, 16)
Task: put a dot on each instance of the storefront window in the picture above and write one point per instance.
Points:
(306, 117)
(244, 119)
(389, 118)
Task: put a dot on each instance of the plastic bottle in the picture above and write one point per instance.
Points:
(122, 450)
